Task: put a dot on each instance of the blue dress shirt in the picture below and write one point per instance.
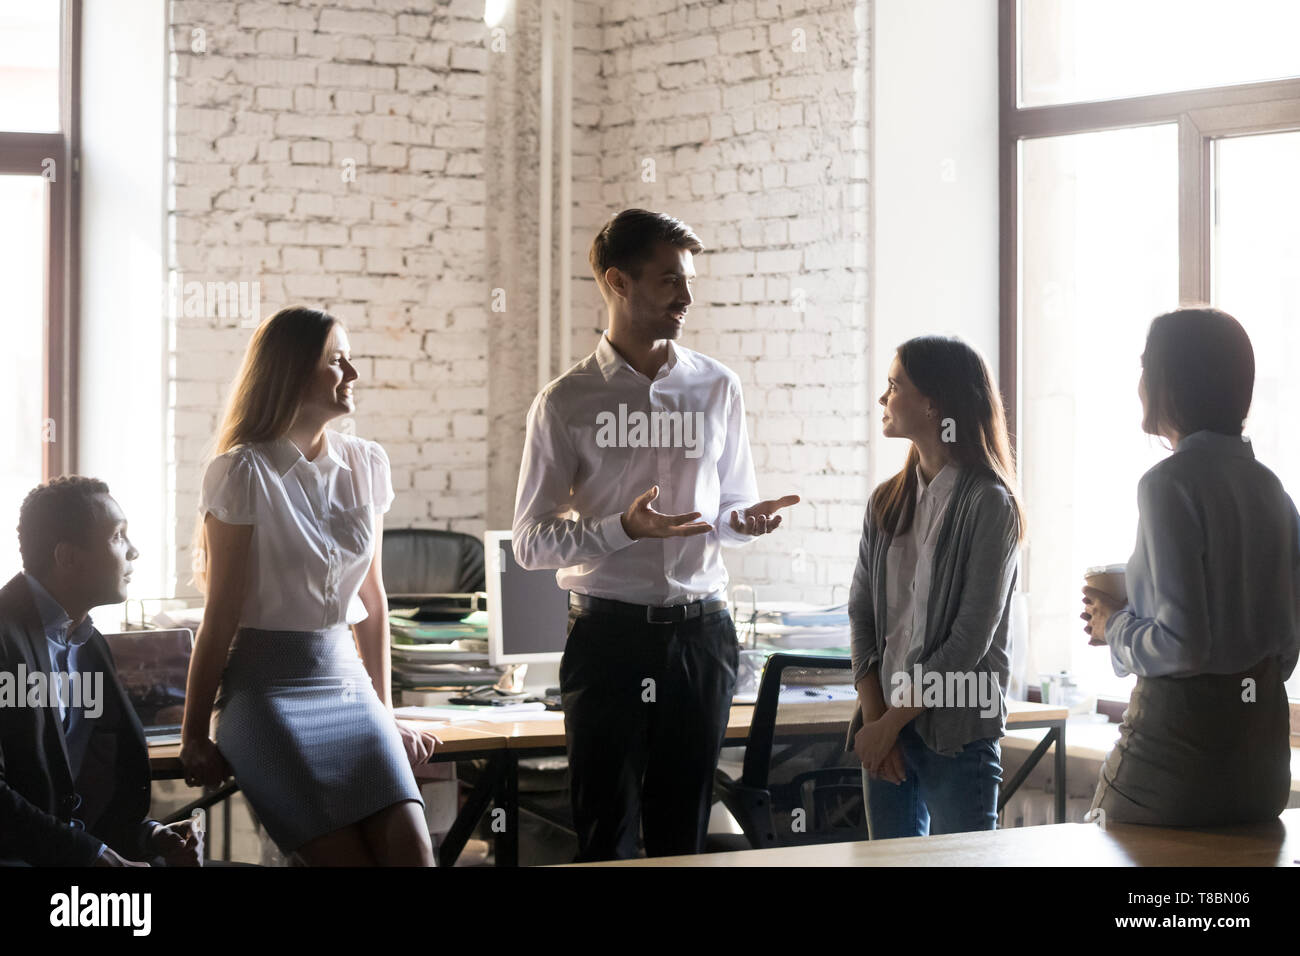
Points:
(1214, 582)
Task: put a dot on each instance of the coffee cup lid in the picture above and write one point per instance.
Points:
(1105, 569)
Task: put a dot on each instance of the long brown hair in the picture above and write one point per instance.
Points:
(266, 393)
(957, 380)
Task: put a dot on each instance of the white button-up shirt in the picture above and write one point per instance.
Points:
(602, 434)
(313, 526)
(908, 570)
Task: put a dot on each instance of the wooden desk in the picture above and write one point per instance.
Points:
(802, 720)
(165, 759)
(1023, 715)
(1062, 844)
(502, 745)
(1094, 742)
(826, 720)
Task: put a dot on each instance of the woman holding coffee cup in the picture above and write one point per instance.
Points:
(931, 599)
(1211, 626)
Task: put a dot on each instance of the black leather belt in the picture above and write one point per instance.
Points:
(674, 614)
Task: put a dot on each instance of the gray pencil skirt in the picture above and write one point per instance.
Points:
(1208, 750)
(312, 746)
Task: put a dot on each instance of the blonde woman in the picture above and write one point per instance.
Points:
(290, 521)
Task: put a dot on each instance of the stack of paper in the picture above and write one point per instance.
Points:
(441, 656)
(794, 625)
(453, 713)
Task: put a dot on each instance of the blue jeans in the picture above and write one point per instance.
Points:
(955, 794)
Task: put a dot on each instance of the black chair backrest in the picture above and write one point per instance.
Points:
(427, 561)
(762, 728)
(798, 786)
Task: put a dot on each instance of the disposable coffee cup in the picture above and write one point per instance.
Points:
(1110, 579)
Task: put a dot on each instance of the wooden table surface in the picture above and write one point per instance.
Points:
(1065, 844)
(164, 759)
(817, 717)
(829, 717)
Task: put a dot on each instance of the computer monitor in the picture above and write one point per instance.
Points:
(153, 666)
(528, 613)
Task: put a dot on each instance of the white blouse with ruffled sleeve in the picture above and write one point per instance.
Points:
(313, 526)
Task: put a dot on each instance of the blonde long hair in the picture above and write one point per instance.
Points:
(266, 394)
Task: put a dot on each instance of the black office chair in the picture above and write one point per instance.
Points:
(427, 561)
(807, 790)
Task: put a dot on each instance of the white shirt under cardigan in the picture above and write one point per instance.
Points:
(313, 526)
(908, 569)
(1214, 582)
(588, 455)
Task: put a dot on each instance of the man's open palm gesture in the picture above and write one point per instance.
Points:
(642, 521)
(761, 518)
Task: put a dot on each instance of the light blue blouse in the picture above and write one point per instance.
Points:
(1214, 582)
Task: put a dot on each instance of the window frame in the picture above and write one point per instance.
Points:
(1203, 116)
(23, 154)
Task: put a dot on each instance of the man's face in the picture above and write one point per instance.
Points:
(656, 302)
(103, 564)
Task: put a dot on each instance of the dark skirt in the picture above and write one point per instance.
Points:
(1207, 750)
(312, 746)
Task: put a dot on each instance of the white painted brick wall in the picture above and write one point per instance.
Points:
(753, 145)
(265, 119)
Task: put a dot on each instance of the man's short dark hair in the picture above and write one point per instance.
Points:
(627, 242)
(62, 509)
(1199, 369)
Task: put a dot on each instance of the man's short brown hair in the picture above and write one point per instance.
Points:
(627, 242)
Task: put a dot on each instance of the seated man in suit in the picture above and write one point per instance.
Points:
(74, 767)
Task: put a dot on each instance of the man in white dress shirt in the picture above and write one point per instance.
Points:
(636, 470)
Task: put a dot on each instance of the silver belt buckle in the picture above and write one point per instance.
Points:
(674, 614)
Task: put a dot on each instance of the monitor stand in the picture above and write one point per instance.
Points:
(512, 679)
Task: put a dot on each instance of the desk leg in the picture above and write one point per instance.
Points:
(226, 814)
(1010, 788)
(505, 825)
(475, 804)
(1060, 757)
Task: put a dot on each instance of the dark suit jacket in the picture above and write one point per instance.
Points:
(38, 797)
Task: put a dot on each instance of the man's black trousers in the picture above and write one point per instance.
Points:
(645, 710)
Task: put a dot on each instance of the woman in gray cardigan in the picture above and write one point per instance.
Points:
(1212, 623)
(931, 596)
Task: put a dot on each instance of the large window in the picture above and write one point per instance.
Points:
(1144, 165)
(37, 146)
(1079, 51)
